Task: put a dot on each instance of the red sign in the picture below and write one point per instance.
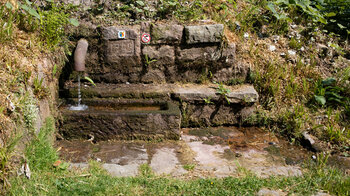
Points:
(145, 38)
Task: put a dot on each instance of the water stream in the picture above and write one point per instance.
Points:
(80, 106)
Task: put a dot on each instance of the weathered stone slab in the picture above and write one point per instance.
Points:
(204, 34)
(188, 92)
(245, 93)
(164, 161)
(166, 34)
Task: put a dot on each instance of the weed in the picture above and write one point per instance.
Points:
(146, 171)
(29, 110)
(7, 18)
(294, 121)
(40, 152)
(328, 92)
(39, 90)
(223, 91)
(208, 100)
(295, 44)
(189, 167)
(149, 61)
(54, 70)
(6, 153)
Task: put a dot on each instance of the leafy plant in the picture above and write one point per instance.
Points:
(149, 61)
(29, 110)
(208, 100)
(189, 167)
(327, 92)
(223, 91)
(54, 70)
(39, 90)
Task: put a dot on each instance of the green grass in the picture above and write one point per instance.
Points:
(49, 180)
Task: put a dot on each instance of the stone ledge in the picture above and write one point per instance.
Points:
(185, 92)
(237, 94)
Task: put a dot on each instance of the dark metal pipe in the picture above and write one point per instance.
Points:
(80, 55)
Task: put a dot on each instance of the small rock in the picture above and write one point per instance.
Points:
(309, 141)
(238, 26)
(308, 138)
(321, 193)
(98, 160)
(127, 82)
(313, 157)
(302, 49)
(294, 26)
(246, 35)
(268, 192)
(272, 48)
(275, 38)
(283, 54)
(291, 52)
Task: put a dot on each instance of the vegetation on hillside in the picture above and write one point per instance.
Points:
(303, 83)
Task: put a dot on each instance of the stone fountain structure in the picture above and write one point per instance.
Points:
(151, 79)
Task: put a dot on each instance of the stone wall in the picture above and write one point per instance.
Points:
(175, 53)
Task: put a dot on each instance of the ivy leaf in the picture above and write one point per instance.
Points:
(331, 14)
(74, 22)
(140, 3)
(341, 26)
(139, 10)
(320, 99)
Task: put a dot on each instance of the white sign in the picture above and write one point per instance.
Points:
(121, 34)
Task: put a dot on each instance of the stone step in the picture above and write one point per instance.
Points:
(183, 92)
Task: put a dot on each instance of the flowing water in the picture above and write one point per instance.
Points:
(80, 106)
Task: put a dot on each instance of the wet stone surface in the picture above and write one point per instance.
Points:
(201, 152)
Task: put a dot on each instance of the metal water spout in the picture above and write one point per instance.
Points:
(80, 55)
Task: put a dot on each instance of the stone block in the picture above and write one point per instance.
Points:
(165, 55)
(166, 34)
(153, 76)
(122, 52)
(229, 54)
(190, 57)
(111, 33)
(212, 115)
(204, 34)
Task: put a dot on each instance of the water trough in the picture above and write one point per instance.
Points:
(111, 119)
